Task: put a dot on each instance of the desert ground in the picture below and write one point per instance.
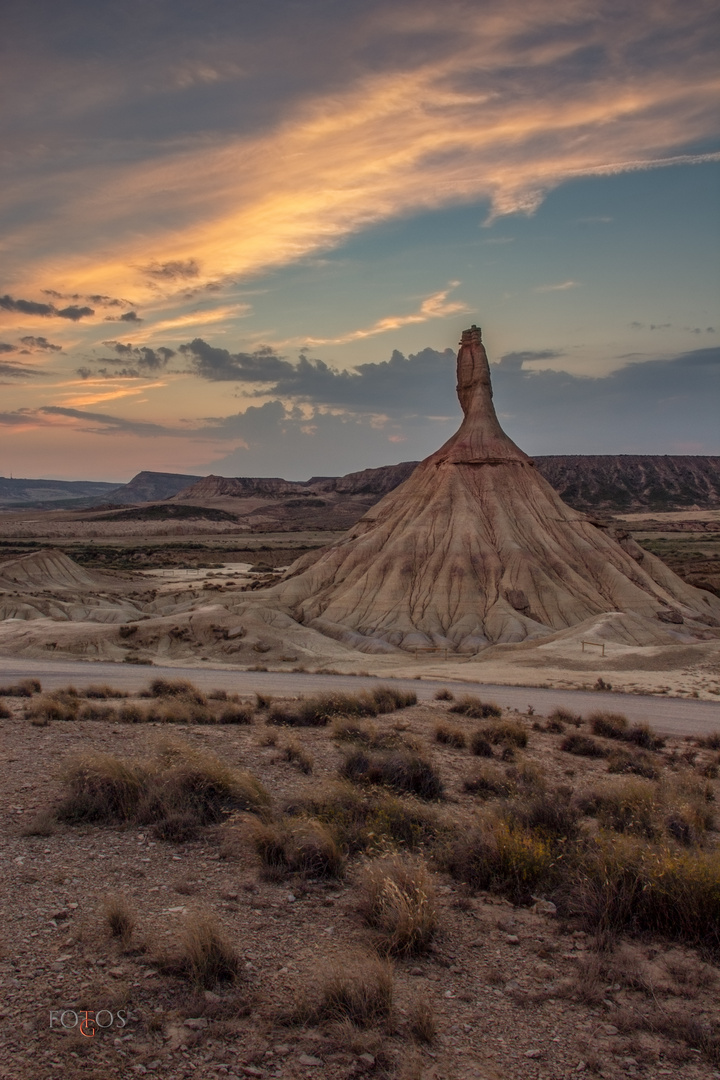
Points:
(307, 889)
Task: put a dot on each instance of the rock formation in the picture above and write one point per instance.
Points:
(476, 548)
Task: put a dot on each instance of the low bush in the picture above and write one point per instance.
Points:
(23, 688)
(480, 744)
(368, 820)
(450, 736)
(236, 714)
(365, 735)
(487, 782)
(503, 857)
(625, 884)
(609, 725)
(475, 708)
(627, 805)
(175, 688)
(102, 692)
(401, 770)
(178, 781)
(549, 814)
(297, 846)
(91, 710)
(559, 717)
(509, 733)
(59, 705)
(397, 899)
(643, 735)
(4, 711)
(582, 745)
(444, 695)
(637, 763)
(705, 742)
(319, 711)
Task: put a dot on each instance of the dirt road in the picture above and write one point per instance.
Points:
(676, 716)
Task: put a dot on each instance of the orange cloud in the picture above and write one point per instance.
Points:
(449, 129)
(436, 306)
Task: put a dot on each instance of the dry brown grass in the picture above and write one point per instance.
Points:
(397, 899)
(178, 781)
(302, 846)
(401, 770)
(297, 755)
(119, 917)
(422, 1022)
(488, 781)
(450, 736)
(471, 706)
(204, 955)
(360, 991)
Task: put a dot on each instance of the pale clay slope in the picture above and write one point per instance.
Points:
(476, 548)
(474, 554)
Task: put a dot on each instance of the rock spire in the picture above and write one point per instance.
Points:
(476, 548)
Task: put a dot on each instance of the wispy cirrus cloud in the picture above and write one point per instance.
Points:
(561, 286)
(500, 103)
(436, 306)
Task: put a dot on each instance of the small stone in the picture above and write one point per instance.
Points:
(308, 1059)
(281, 1048)
(416, 971)
(367, 1059)
(544, 907)
(209, 996)
(196, 1023)
(117, 973)
(610, 1029)
(512, 939)
(250, 1070)
(533, 1053)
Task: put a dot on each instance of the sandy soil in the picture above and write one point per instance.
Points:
(515, 993)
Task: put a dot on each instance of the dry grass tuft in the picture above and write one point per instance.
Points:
(297, 846)
(319, 711)
(297, 755)
(444, 695)
(60, 705)
(501, 856)
(480, 745)
(450, 736)
(583, 746)
(205, 956)
(468, 705)
(401, 770)
(366, 820)
(488, 781)
(635, 762)
(359, 991)
(423, 1026)
(365, 735)
(120, 917)
(397, 899)
(609, 725)
(102, 692)
(172, 688)
(23, 688)
(179, 781)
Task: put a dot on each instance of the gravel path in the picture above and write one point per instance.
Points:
(672, 716)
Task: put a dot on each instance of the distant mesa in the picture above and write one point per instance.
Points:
(475, 548)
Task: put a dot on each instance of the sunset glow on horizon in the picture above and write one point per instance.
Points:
(243, 241)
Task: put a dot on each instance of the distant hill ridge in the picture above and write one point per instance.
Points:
(613, 482)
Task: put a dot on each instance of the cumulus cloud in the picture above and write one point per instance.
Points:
(33, 342)
(32, 307)
(219, 365)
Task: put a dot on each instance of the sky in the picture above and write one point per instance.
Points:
(244, 238)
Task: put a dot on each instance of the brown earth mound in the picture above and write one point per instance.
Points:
(476, 548)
